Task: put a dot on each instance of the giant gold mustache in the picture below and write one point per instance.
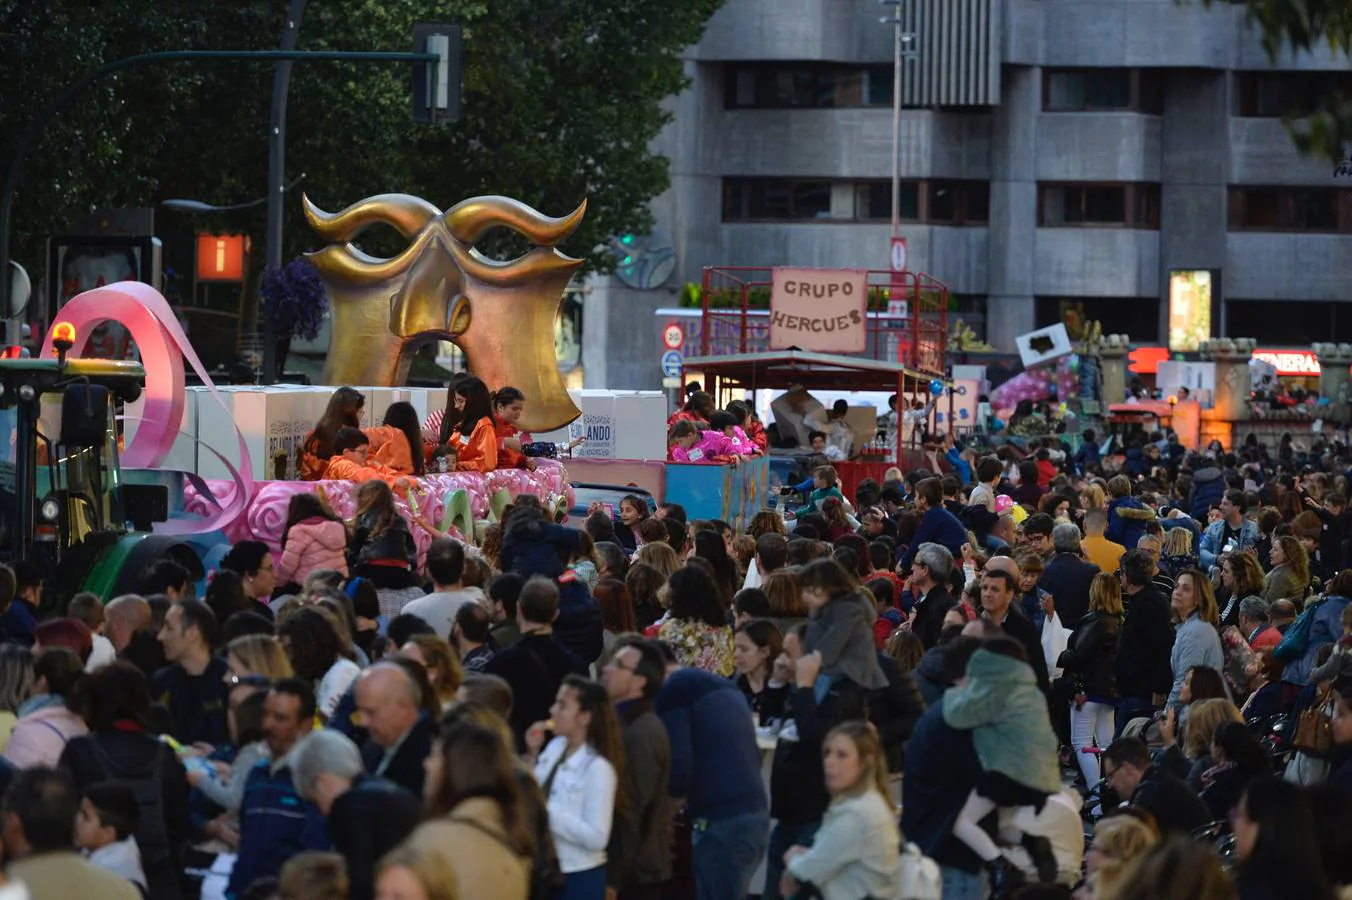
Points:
(455, 232)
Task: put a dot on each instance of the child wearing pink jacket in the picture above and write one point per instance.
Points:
(315, 538)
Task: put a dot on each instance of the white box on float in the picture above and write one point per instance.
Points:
(641, 425)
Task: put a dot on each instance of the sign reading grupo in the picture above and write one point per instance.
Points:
(819, 309)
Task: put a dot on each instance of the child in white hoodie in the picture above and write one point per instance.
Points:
(104, 829)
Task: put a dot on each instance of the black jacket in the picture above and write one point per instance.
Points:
(1142, 666)
(1177, 810)
(927, 617)
(145, 652)
(579, 626)
(197, 703)
(1067, 579)
(1017, 626)
(406, 767)
(638, 853)
(533, 546)
(534, 666)
(350, 826)
(895, 709)
(135, 757)
(797, 782)
(1089, 654)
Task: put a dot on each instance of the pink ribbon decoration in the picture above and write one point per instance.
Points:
(163, 347)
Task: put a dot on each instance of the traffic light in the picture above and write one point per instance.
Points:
(436, 86)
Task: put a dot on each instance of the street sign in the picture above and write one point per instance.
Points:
(899, 255)
(671, 382)
(673, 336)
(672, 362)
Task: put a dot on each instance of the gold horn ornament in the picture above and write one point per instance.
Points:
(501, 314)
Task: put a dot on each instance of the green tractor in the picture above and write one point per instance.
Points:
(64, 503)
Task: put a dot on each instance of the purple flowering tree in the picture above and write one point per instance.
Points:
(294, 303)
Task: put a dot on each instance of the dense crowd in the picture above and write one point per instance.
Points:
(1030, 672)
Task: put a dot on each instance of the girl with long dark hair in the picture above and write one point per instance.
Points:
(582, 773)
(696, 626)
(473, 446)
(397, 443)
(1276, 844)
(343, 411)
(440, 425)
(315, 538)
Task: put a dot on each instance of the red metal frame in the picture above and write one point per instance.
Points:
(918, 340)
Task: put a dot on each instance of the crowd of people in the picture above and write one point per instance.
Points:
(1032, 674)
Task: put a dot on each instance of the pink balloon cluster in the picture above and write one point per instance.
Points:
(1067, 380)
(1030, 384)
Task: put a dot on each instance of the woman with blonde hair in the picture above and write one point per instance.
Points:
(660, 556)
(256, 654)
(1088, 663)
(855, 853)
(491, 547)
(1120, 839)
(1177, 869)
(1289, 577)
(1092, 497)
(787, 608)
(414, 872)
(1178, 553)
(1196, 642)
(440, 662)
(1194, 756)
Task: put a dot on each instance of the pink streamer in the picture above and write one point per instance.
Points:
(163, 347)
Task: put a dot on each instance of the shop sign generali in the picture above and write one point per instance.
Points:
(821, 310)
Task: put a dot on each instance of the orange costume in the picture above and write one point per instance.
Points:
(684, 415)
(389, 448)
(477, 452)
(755, 432)
(340, 468)
(507, 457)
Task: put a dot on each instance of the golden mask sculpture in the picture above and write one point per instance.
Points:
(500, 314)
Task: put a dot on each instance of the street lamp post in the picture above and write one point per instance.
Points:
(198, 207)
(900, 52)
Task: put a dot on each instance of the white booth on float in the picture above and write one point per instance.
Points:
(274, 421)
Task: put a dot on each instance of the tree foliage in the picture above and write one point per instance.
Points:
(561, 102)
(1304, 26)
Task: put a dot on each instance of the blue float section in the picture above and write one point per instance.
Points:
(733, 493)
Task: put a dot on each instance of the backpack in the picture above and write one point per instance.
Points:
(152, 832)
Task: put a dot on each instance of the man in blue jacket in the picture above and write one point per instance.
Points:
(1230, 535)
(716, 774)
(938, 525)
(274, 822)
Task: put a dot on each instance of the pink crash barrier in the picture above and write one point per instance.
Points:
(264, 516)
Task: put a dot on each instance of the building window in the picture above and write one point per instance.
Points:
(780, 87)
(1270, 95)
(878, 82)
(958, 202)
(775, 199)
(1084, 90)
(873, 201)
(1120, 205)
(1305, 209)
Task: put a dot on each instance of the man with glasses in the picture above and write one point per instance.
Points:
(640, 860)
(1129, 773)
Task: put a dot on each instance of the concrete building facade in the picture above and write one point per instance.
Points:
(1052, 152)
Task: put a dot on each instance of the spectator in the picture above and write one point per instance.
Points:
(1067, 576)
(127, 620)
(314, 876)
(1120, 839)
(47, 720)
(470, 636)
(1088, 663)
(193, 685)
(503, 591)
(1126, 515)
(64, 632)
(639, 857)
(19, 622)
(275, 824)
(1232, 534)
(88, 608)
(1197, 642)
(1240, 758)
(438, 660)
(168, 577)
(937, 524)
(38, 822)
(116, 707)
(696, 626)
(536, 664)
(316, 653)
(400, 735)
(1276, 844)
(1098, 549)
(328, 772)
(930, 572)
(1176, 869)
(1129, 773)
(997, 607)
(445, 566)
(1142, 665)
(105, 830)
(715, 773)
(614, 561)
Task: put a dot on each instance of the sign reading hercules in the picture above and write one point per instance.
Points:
(819, 309)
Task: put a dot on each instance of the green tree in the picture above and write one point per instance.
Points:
(1301, 26)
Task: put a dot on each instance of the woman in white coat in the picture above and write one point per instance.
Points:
(857, 850)
(581, 771)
